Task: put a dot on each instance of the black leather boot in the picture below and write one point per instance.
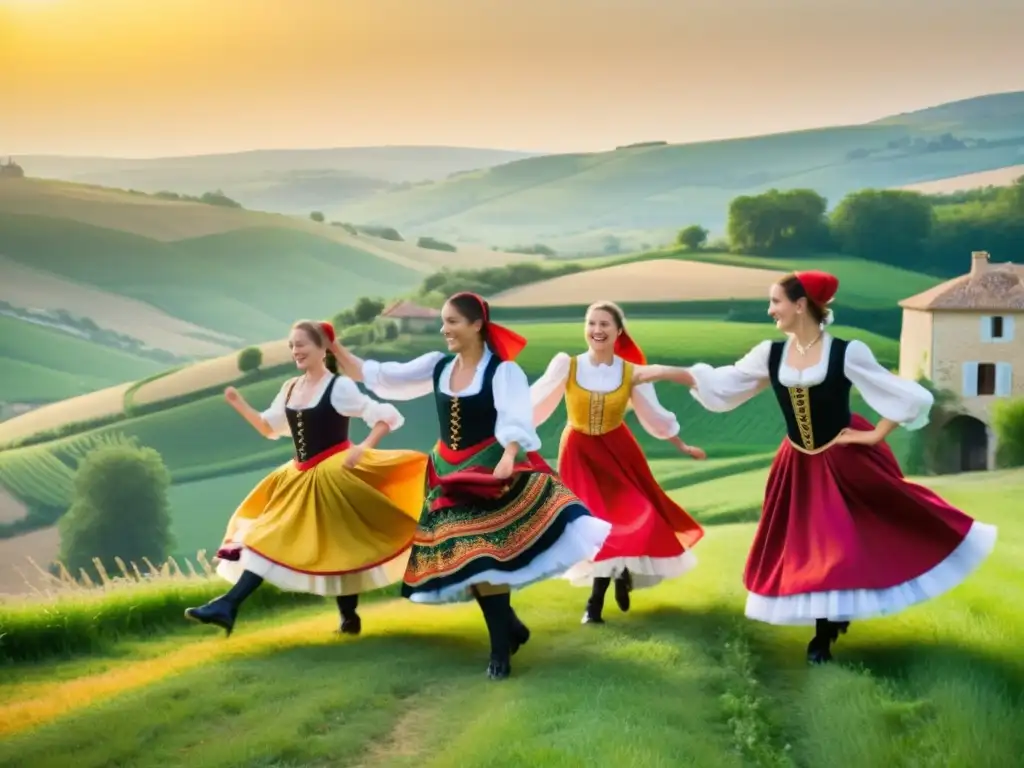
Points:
(223, 611)
(351, 624)
(623, 586)
(497, 611)
(519, 633)
(595, 605)
(819, 650)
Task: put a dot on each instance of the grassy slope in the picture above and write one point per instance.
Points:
(683, 673)
(41, 363)
(239, 272)
(647, 187)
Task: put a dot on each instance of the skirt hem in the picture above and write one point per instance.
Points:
(644, 572)
(581, 539)
(331, 585)
(856, 604)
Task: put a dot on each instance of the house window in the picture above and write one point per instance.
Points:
(996, 330)
(986, 379)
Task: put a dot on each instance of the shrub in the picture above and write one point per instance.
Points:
(317, 216)
(1008, 424)
(436, 245)
(250, 359)
(119, 510)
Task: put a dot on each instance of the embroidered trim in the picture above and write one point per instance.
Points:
(454, 424)
(798, 396)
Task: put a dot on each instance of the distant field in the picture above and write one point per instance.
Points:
(862, 283)
(94, 405)
(17, 575)
(191, 268)
(40, 363)
(207, 373)
(584, 198)
(1000, 177)
(23, 286)
(648, 280)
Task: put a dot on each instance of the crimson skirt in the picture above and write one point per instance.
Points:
(651, 535)
(843, 535)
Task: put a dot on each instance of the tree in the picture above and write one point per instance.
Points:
(366, 309)
(887, 225)
(119, 509)
(317, 216)
(249, 359)
(779, 222)
(343, 319)
(692, 237)
(1008, 424)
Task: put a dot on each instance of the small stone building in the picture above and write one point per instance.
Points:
(963, 336)
(412, 318)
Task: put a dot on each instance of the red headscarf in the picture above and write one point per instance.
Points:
(629, 350)
(504, 342)
(820, 287)
(328, 330)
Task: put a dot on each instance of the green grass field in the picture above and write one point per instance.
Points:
(42, 363)
(682, 676)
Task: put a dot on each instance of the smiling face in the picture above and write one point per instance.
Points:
(459, 333)
(602, 330)
(784, 312)
(306, 350)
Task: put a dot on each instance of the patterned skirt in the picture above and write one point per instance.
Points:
(477, 529)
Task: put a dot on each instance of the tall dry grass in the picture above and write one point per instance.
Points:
(65, 614)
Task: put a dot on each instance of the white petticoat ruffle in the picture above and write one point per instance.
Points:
(855, 604)
(582, 539)
(644, 572)
(289, 580)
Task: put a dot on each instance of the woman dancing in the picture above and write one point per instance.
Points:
(338, 519)
(843, 536)
(602, 463)
(495, 517)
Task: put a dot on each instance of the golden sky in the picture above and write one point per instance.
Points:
(163, 77)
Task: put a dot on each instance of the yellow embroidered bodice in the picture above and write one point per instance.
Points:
(596, 413)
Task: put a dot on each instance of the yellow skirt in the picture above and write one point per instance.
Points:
(328, 529)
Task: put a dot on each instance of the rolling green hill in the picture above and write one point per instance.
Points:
(658, 188)
(287, 181)
(43, 364)
(195, 271)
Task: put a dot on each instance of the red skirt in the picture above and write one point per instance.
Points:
(651, 535)
(843, 535)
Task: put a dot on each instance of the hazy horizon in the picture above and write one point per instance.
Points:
(173, 78)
